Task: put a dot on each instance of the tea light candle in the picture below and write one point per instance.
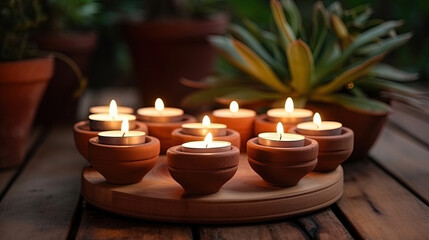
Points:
(123, 137)
(289, 114)
(201, 129)
(110, 121)
(319, 127)
(234, 112)
(206, 146)
(159, 113)
(105, 109)
(281, 139)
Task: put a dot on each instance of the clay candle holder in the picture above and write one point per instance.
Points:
(197, 131)
(82, 131)
(282, 163)
(162, 121)
(240, 120)
(201, 170)
(289, 116)
(123, 157)
(335, 143)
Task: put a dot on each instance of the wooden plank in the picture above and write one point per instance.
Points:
(41, 202)
(404, 158)
(98, 224)
(5, 177)
(324, 225)
(280, 230)
(379, 207)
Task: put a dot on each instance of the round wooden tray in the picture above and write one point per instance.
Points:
(245, 198)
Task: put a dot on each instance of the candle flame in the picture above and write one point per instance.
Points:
(289, 105)
(317, 120)
(208, 139)
(113, 110)
(206, 121)
(233, 107)
(124, 127)
(280, 129)
(159, 104)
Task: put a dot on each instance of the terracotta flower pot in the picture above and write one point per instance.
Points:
(58, 103)
(22, 84)
(202, 173)
(163, 131)
(124, 164)
(333, 150)
(262, 124)
(231, 136)
(366, 126)
(282, 167)
(244, 126)
(82, 133)
(165, 51)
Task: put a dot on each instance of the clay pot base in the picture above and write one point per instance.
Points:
(244, 198)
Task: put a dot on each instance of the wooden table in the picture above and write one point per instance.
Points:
(386, 196)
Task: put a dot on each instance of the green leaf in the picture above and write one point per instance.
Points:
(226, 48)
(259, 69)
(294, 16)
(385, 45)
(248, 95)
(243, 35)
(350, 75)
(380, 84)
(301, 66)
(358, 104)
(336, 8)
(320, 22)
(362, 18)
(281, 23)
(385, 71)
(206, 97)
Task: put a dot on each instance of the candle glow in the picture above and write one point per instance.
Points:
(280, 130)
(113, 110)
(206, 121)
(124, 127)
(159, 104)
(317, 120)
(289, 107)
(208, 139)
(233, 107)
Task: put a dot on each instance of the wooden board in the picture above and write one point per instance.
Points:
(245, 198)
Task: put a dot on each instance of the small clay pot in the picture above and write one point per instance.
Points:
(163, 130)
(333, 150)
(282, 167)
(202, 173)
(231, 136)
(82, 134)
(123, 164)
(263, 124)
(243, 125)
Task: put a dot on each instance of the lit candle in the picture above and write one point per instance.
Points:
(110, 121)
(105, 109)
(206, 146)
(159, 113)
(281, 139)
(234, 112)
(319, 127)
(201, 129)
(123, 137)
(289, 114)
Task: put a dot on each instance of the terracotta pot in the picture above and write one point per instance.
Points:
(366, 126)
(22, 84)
(165, 51)
(58, 103)
(244, 126)
(124, 164)
(82, 133)
(163, 131)
(282, 167)
(333, 150)
(262, 124)
(202, 173)
(231, 136)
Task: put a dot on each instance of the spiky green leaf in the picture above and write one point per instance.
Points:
(301, 66)
(358, 104)
(386, 71)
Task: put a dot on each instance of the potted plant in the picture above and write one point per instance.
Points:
(68, 31)
(170, 42)
(24, 74)
(336, 70)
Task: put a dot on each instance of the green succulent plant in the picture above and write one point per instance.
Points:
(340, 61)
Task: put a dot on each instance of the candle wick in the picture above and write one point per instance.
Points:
(123, 135)
(207, 145)
(280, 136)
